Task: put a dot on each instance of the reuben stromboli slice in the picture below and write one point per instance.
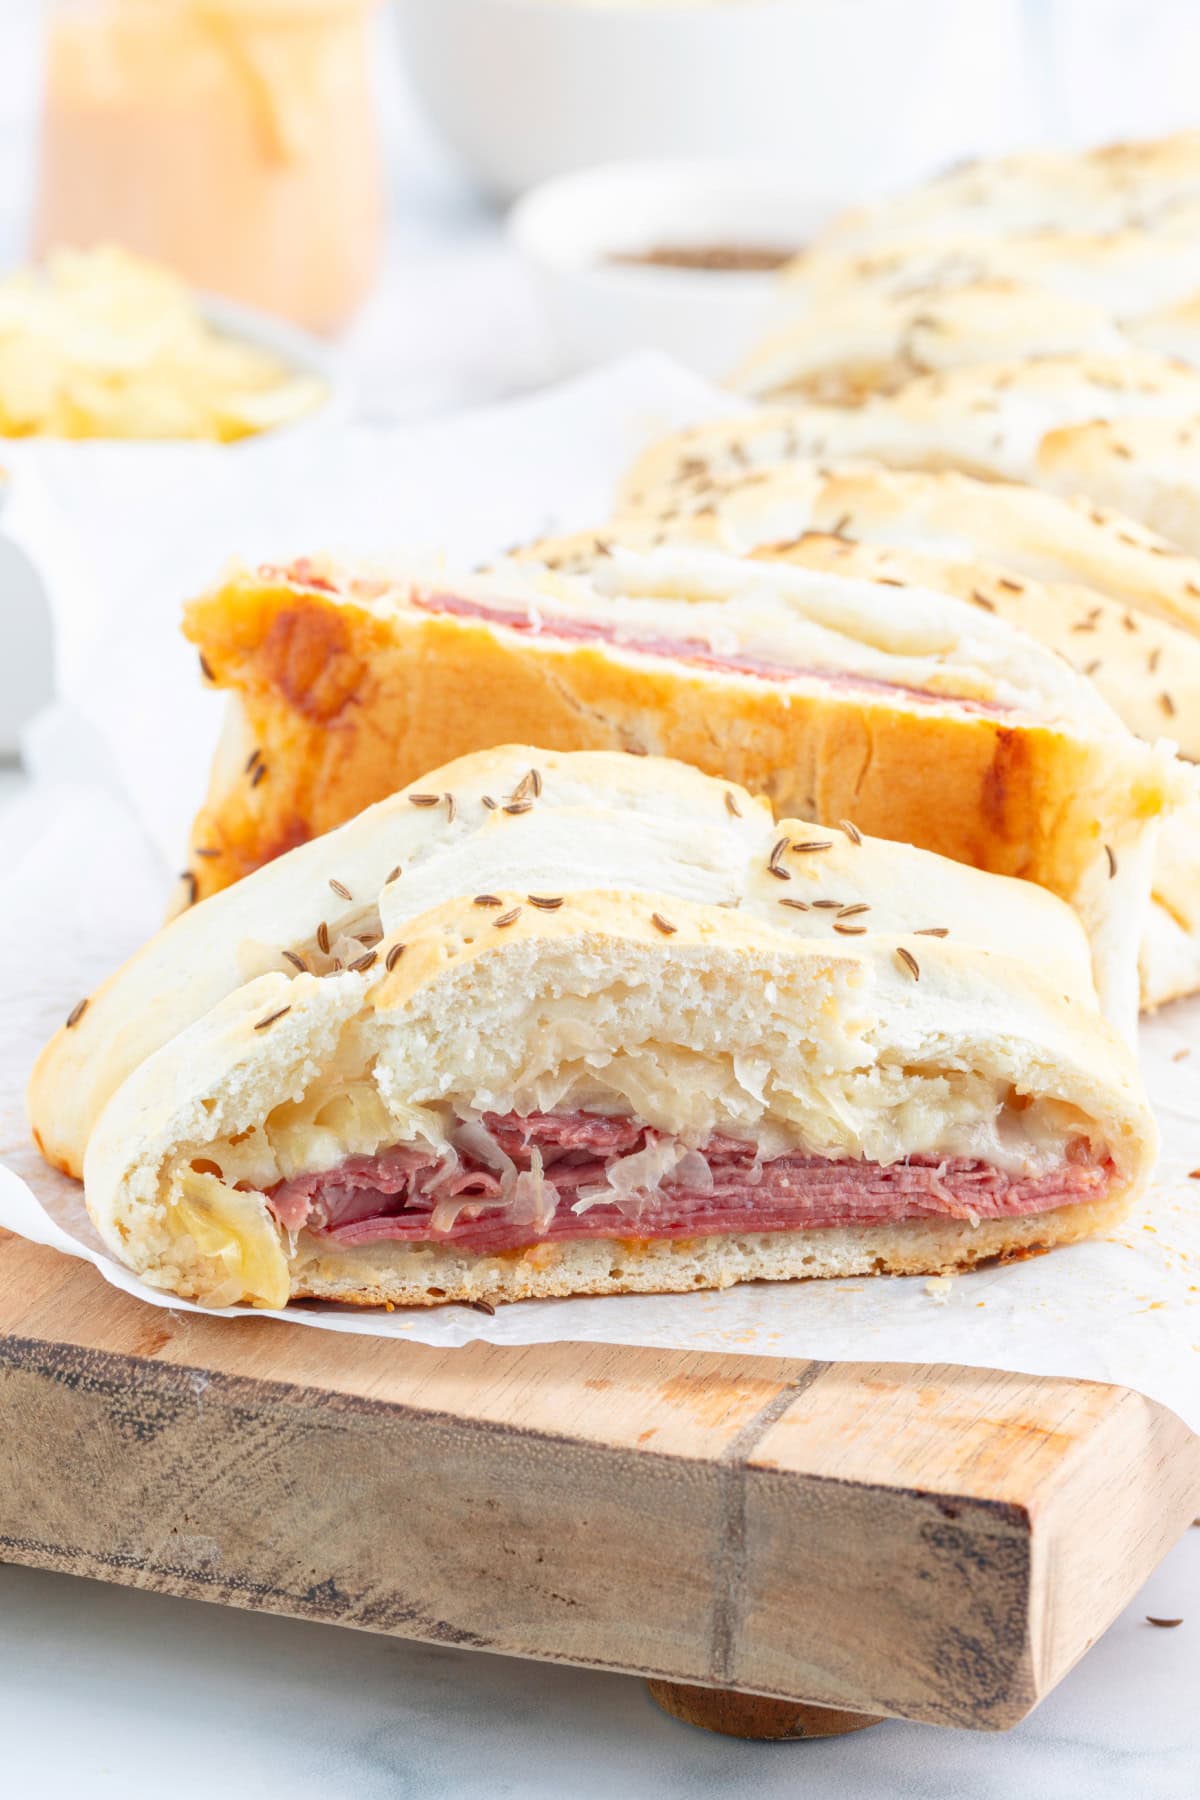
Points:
(591, 1023)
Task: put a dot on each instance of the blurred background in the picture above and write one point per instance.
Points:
(119, 120)
(380, 211)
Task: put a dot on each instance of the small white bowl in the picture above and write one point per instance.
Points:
(299, 351)
(26, 661)
(569, 231)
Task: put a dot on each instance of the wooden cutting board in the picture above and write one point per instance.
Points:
(933, 1543)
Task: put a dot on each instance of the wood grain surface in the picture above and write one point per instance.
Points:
(929, 1542)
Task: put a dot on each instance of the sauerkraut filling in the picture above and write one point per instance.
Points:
(619, 1153)
(513, 1181)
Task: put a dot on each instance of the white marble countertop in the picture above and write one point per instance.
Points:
(109, 1692)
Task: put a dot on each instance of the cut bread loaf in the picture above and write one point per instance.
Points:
(845, 347)
(1118, 603)
(1119, 429)
(1133, 272)
(935, 724)
(848, 323)
(617, 1032)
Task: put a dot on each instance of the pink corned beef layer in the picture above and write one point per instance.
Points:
(391, 1196)
(693, 651)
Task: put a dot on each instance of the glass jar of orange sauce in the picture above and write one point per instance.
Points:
(235, 140)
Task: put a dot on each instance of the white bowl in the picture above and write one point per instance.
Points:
(298, 350)
(25, 632)
(860, 93)
(569, 230)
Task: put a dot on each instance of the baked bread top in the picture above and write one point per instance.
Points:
(847, 345)
(1110, 188)
(1050, 538)
(1120, 429)
(988, 419)
(1130, 272)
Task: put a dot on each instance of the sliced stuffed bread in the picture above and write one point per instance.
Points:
(933, 723)
(560, 1024)
(1119, 603)
(1119, 428)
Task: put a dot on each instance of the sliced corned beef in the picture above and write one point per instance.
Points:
(392, 1196)
(696, 652)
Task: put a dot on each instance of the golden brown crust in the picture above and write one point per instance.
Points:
(397, 697)
(1062, 796)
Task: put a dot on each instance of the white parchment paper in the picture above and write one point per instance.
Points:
(87, 853)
